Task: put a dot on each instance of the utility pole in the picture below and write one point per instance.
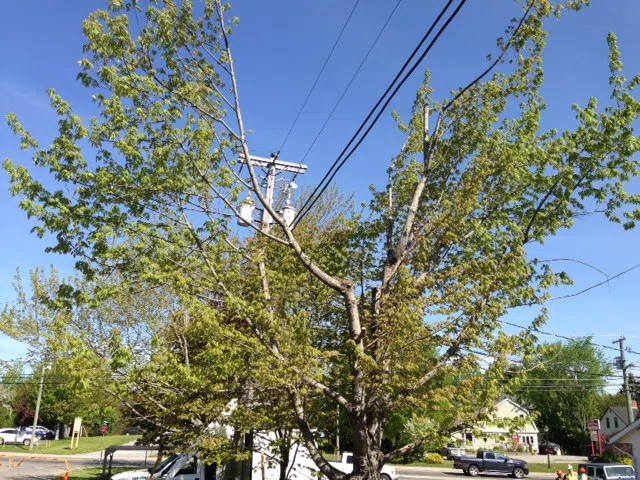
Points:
(35, 418)
(622, 365)
(273, 167)
(338, 430)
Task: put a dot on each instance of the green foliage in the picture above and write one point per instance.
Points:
(610, 457)
(565, 387)
(381, 312)
(433, 458)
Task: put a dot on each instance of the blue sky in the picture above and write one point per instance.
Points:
(279, 49)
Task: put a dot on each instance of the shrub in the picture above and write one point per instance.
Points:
(498, 449)
(609, 457)
(433, 458)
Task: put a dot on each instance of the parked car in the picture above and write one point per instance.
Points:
(608, 471)
(346, 465)
(452, 452)
(549, 448)
(16, 436)
(42, 433)
(135, 430)
(491, 462)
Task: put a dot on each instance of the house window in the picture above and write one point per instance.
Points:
(469, 437)
(615, 421)
(608, 422)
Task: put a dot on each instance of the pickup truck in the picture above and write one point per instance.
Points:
(491, 462)
(346, 465)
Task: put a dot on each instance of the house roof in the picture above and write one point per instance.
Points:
(514, 403)
(621, 413)
(625, 431)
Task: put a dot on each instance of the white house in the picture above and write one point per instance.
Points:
(615, 419)
(627, 441)
(491, 435)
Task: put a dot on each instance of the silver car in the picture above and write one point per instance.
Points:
(15, 436)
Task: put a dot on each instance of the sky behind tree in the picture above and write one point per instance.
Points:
(279, 49)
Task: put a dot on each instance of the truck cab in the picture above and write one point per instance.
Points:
(346, 465)
(608, 471)
(174, 467)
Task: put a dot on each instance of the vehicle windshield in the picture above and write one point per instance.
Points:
(615, 472)
(167, 461)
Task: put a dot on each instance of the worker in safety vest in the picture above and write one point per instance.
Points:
(571, 475)
(583, 474)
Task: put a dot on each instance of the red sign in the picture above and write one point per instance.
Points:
(593, 425)
(516, 439)
(103, 429)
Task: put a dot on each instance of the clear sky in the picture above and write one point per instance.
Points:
(279, 49)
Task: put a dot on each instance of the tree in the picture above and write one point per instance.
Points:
(566, 389)
(634, 387)
(85, 346)
(345, 315)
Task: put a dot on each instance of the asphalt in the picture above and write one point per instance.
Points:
(50, 467)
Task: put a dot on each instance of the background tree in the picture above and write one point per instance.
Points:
(567, 389)
(634, 386)
(434, 270)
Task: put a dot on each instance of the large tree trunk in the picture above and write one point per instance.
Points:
(284, 461)
(367, 431)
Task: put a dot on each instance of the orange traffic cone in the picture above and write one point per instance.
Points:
(66, 475)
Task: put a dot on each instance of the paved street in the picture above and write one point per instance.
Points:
(49, 469)
(429, 473)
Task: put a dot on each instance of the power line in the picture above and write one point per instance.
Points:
(338, 163)
(353, 77)
(315, 83)
(565, 337)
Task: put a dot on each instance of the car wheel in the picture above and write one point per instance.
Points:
(473, 470)
(1, 441)
(26, 442)
(518, 472)
(384, 476)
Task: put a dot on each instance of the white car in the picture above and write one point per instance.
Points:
(15, 436)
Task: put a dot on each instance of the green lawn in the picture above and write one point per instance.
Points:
(61, 447)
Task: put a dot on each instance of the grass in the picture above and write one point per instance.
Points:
(62, 447)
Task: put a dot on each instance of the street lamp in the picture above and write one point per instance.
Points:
(45, 366)
(546, 431)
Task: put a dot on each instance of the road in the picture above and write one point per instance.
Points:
(434, 473)
(50, 469)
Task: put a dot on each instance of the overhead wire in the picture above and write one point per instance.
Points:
(315, 83)
(339, 162)
(565, 337)
(346, 89)
(456, 97)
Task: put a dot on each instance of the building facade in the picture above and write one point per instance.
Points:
(615, 419)
(627, 442)
(493, 435)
